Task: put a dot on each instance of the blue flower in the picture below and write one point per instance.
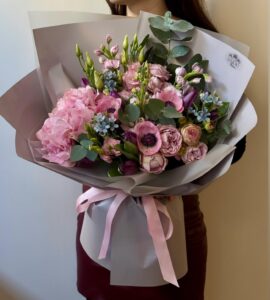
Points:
(102, 124)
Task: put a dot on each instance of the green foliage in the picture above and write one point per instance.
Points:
(153, 109)
(179, 51)
(171, 113)
(114, 169)
(128, 151)
(130, 114)
(78, 152)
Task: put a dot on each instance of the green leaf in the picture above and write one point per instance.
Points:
(158, 22)
(227, 126)
(123, 117)
(130, 148)
(154, 108)
(171, 113)
(145, 41)
(133, 112)
(120, 147)
(78, 153)
(163, 36)
(159, 50)
(197, 58)
(114, 170)
(179, 51)
(181, 26)
(86, 143)
(186, 39)
(82, 136)
(222, 110)
(166, 121)
(91, 155)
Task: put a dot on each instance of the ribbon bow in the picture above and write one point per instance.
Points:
(152, 207)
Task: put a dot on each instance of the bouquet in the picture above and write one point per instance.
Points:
(152, 120)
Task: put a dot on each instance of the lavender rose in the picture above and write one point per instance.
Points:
(171, 140)
(159, 71)
(194, 153)
(191, 134)
(155, 163)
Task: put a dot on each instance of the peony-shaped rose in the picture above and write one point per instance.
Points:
(155, 84)
(171, 96)
(109, 147)
(155, 163)
(171, 140)
(194, 153)
(108, 104)
(55, 137)
(148, 137)
(191, 134)
(159, 71)
(130, 77)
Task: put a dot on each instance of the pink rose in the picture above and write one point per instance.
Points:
(191, 134)
(109, 147)
(155, 84)
(194, 153)
(148, 137)
(108, 104)
(172, 97)
(114, 49)
(155, 163)
(111, 64)
(159, 71)
(130, 77)
(171, 140)
(55, 137)
(180, 71)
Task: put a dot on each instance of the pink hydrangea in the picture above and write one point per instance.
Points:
(130, 77)
(148, 137)
(171, 96)
(55, 137)
(108, 104)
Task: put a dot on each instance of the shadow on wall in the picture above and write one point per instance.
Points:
(9, 291)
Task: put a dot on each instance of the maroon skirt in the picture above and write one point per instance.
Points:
(94, 281)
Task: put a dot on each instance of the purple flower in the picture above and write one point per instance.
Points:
(84, 82)
(189, 98)
(131, 137)
(128, 167)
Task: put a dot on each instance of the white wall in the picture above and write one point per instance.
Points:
(37, 225)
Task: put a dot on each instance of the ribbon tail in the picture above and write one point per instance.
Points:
(120, 197)
(157, 233)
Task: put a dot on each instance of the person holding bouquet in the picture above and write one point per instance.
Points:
(94, 280)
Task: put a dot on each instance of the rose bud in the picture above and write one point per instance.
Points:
(180, 71)
(155, 163)
(171, 140)
(108, 38)
(191, 134)
(129, 167)
(194, 153)
(197, 68)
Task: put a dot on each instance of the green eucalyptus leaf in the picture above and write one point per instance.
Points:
(179, 51)
(163, 36)
(91, 155)
(181, 26)
(166, 121)
(145, 41)
(159, 50)
(154, 108)
(133, 112)
(171, 113)
(78, 152)
(159, 23)
(186, 39)
(82, 136)
(86, 143)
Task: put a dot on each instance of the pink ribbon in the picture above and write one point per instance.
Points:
(152, 207)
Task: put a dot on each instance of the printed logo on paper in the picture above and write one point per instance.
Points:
(234, 61)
